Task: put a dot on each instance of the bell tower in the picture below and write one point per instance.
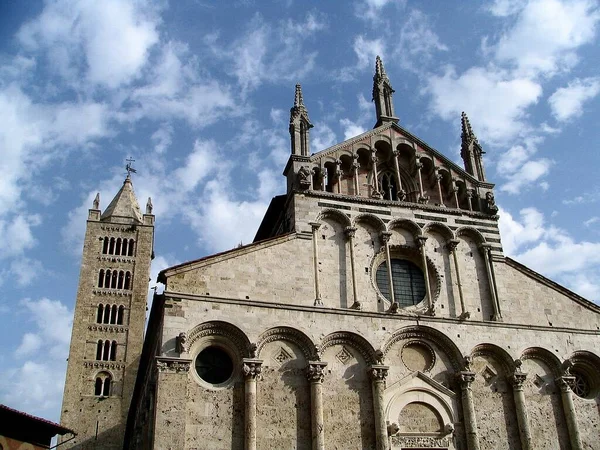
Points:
(108, 327)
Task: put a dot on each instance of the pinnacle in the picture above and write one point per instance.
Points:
(379, 69)
(124, 207)
(467, 131)
(298, 100)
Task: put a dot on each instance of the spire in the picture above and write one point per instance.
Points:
(471, 152)
(382, 95)
(299, 125)
(124, 207)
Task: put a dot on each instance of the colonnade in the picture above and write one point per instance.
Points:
(420, 240)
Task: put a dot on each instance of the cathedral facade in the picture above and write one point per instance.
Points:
(375, 309)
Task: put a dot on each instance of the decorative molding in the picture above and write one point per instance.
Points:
(108, 328)
(115, 258)
(303, 342)
(123, 229)
(104, 365)
(465, 378)
(344, 356)
(420, 442)
(315, 372)
(224, 329)
(378, 372)
(354, 340)
(113, 292)
(173, 365)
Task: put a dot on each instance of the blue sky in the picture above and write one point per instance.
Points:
(198, 93)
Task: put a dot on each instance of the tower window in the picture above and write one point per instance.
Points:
(100, 314)
(118, 247)
(127, 280)
(130, 250)
(407, 280)
(106, 314)
(102, 384)
(105, 245)
(387, 184)
(111, 247)
(120, 315)
(113, 314)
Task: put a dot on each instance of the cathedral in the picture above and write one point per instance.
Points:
(375, 309)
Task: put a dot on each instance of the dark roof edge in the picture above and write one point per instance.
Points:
(554, 285)
(57, 428)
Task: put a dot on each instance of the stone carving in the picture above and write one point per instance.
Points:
(517, 380)
(468, 362)
(304, 177)
(180, 343)
(291, 335)
(149, 206)
(223, 329)
(565, 383)
(378, 373)
(252, 369)
(252, 350)
(379, 357)
(488, 374)
(344, 356)
(420, 442)
(417, 355)
(357, 342)
(282, 356)
(393, 429)
(315, 372)
(465, 378)
(173, 365)
(97, 201)
(491, 203)
(449, 428)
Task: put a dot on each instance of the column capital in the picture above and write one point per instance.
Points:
(251, 368)
(465, 379)
(315, 372)
(565, 383)
(452, 244)
(350, 232)
(173, 365)
(385, 236)
(315, 225)
(470, 193)
(421, 241)
(517, 379)
(378, 372)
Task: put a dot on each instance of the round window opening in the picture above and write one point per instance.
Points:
(581, 387)
(407, 280)
(214, 365)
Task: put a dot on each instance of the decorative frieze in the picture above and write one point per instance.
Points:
(108, 328)
(420, 442)
(251, 368)
(104, 365)
(112, 292)
(173, 365)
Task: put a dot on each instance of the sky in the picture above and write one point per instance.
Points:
(198, 93)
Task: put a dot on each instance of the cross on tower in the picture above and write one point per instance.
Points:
(128, 167)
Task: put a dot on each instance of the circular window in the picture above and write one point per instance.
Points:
(214, 365)
(407, 279)
(581, 387)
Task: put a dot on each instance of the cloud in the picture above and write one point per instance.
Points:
(351, 128)
(503, 8)
(366, 50)
(526, 174)
(17, 235)
(108, 42)
(552, 251)
(567, 102)
(26, 385)
(418, 41)
(322, 137)
(373, 9)
(495, 101)
(553, 31)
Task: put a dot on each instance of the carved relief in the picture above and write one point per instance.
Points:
(171, 365)
(344, 356)
(304, 178)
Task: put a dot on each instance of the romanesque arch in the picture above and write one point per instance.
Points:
(225, 330)
(297, 337)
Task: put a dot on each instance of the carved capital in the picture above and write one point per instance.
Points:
(350, 232)
(465, 378)
(420, 240)
(173, 365)
(565, 383)
(385, 236)
(418, 164)
(315, 372)
(378, 372)
(251, 368)
(470, 193)
(517, 380)
(315, 225)
(452, 244)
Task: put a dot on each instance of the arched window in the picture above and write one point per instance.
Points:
(131, 244)
(113, 281)
(99, 347)
(121, 279)
(101, 278)
(105, 245)
(100, 314)
(124, 247)
(120, 315)
(107, 279)
(127, 284)
(111, 250)
(118, 247)
(387, 184)
(113, 351)
(106, 314)
(407, 279)
(102, 384)
(113, 314)
(106, 351)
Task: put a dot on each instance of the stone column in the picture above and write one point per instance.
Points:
(338, 175)
(438, 179)
(355, 167)
(470, 198)
(401, 195)
(385, 238)
(455, 192)
(466, 378)
(251, 369)
(171, 397)
(316, 374)
(485, 251)
(421, 244)
(419, 166)
(517, 380)
(378, 374)
(315, 228)
(350, 231)
(375, 193)
(565, 383)
(322, 173)
(452, 244)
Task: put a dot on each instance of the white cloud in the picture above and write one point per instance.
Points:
(552, 251)
(495, 101)
(17, 235)
(322, 137)
(417, 42)
(503, 8)
(30, 344)
(528, 173)
(373, 9)
(553, 30)
(202, 161)
(351, 128)
(109, 41)
(567, 102)
(366, 50)
(25, 270)
(592, 220)
(162, 138)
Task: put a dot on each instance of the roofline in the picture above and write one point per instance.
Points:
(552, 284)
(163, 274)
(55, 426)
